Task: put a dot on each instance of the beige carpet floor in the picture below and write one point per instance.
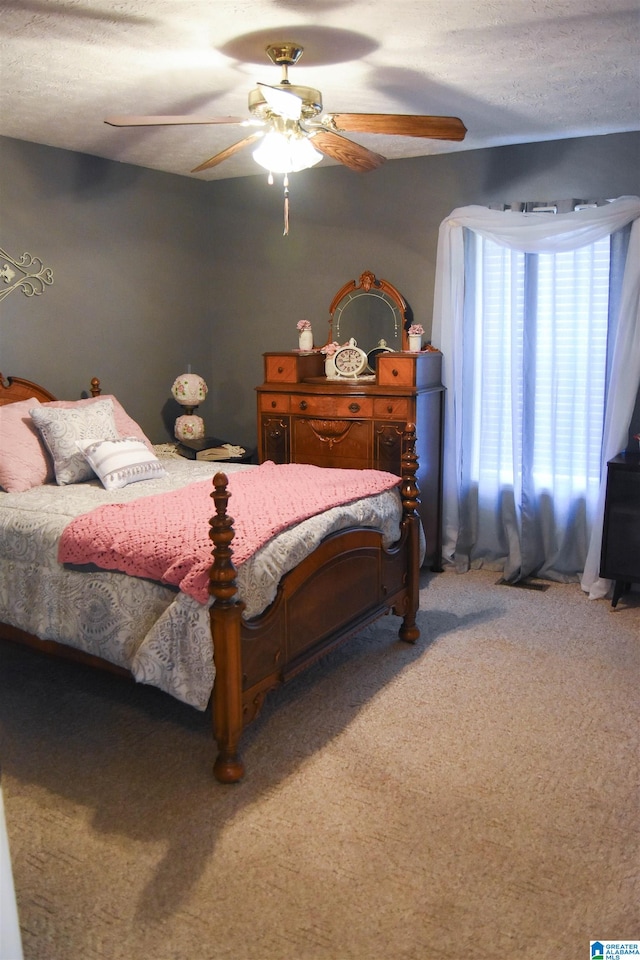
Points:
(473, 796)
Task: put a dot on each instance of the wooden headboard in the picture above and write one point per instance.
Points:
(13, 389)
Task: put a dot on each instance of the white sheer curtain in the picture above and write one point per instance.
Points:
(538, 233)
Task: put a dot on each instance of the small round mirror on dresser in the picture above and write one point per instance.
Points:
(371, 311)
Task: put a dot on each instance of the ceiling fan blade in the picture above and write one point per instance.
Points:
(282, 102)
(403, 125)
(167, 121)
(229, 152)
(351, 154)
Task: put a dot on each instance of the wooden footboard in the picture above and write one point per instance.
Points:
(348, 582)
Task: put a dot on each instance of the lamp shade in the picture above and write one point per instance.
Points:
(189, 389)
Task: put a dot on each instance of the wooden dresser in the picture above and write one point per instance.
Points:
(305, 418)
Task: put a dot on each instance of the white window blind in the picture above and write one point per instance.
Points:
(540, 346)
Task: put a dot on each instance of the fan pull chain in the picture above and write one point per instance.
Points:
(285, 232)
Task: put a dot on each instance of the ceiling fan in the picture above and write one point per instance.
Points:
(296, 113)
(293, 133)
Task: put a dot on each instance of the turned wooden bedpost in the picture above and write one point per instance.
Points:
(410, 494)
(225, 618)
(96, 389)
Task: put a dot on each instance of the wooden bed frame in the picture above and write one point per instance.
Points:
(350, 568)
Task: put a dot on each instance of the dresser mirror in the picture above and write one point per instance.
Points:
(371, 311)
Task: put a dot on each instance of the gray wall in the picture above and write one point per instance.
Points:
(154, 272)
(131, 292)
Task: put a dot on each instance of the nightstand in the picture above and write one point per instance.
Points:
(620, 557)
(209, 448)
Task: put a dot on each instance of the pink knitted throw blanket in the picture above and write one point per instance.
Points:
(165, 537)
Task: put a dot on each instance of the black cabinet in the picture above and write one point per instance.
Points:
(620, 557)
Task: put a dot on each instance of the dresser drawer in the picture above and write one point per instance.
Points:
(332, 442)
(391, 408)
(292, 367)
(419, 370)
(396, 370)
(317, 406)
(274, 402)
(280, 369)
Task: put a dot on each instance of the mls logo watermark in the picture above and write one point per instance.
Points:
(614, 949)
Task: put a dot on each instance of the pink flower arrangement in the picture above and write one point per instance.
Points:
(303, 325)
(330, 348)
(416, 330)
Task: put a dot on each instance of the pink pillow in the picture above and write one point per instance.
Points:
(125, 426)
(24, 461)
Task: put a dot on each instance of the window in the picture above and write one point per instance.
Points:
(541, 348)
(537, 317)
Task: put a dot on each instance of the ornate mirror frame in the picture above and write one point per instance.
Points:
(369, 285)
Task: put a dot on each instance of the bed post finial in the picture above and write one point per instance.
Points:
(225, 618)
(409, 489)
(96, 389)
(222, 582)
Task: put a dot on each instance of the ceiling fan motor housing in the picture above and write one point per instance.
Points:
(311, 101)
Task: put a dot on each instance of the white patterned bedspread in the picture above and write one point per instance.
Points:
(160, 635)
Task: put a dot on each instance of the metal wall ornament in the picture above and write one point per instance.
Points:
(30, 275)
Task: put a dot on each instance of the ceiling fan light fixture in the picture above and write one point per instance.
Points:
(298, 132)
(280, 153)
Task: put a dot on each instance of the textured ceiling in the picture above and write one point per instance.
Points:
(514, 71)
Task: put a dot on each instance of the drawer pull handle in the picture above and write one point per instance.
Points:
(389, 408)
(280, 369)
(354, 407)
(303, 404)
(273, 403)
(395, 373)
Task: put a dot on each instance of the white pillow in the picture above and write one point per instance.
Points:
(120, 462)
(125, 425)
(61, 427)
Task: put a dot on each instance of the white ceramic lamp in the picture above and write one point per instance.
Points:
(189, 390)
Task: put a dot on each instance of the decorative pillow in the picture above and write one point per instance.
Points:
(125, 425)
(24, 461)
(120, 462)
(60, 427)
